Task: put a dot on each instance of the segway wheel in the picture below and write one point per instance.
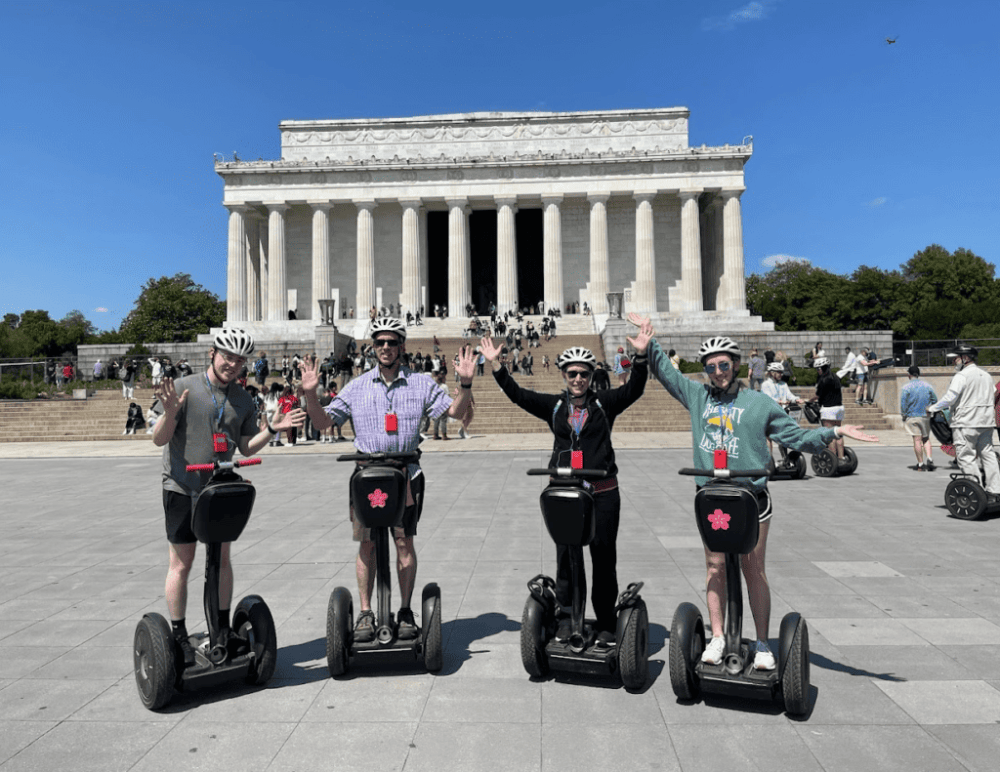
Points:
(633, 649)
(850, 462)
(687, 642)
(795, 675)
(824, 464)
(800, 467)
(965, 499)
(156, 657)
(431, 608)
(253, 621)
(533, 657)
(339, 623)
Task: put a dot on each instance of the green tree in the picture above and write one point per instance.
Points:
(798, 296)
(41, 334)
(172, 308)
(11, 321)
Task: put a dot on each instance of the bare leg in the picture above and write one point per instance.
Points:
(927, 450)
(406, 568)
(918, 449)
(366, 573)
(715, 583)
(758, 590)
(837, 446)
(181, 560)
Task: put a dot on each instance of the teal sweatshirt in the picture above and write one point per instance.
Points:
(739, 421)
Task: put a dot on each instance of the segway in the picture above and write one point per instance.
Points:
(727, 517)
(378, 494)
(249, 650)
(568, 511)
(792, 464)
(825, 463)
(965, 496)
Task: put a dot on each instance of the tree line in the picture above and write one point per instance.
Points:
(935, 295)
(168, 309)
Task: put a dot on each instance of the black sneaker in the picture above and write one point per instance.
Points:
(930, 466)
(406, 628)
(187, 650)
(564, 630)
(364, 630)
(606, 639)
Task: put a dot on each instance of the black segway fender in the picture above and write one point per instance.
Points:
(625, 606)
(786, 634)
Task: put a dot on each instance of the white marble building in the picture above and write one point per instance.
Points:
(513, 208)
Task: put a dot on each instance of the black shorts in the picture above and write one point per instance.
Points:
(178, 508)
(411, 515)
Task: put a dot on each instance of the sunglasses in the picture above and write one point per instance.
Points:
(381, 342)
(574, 374)
(723, 367)
(232, 358)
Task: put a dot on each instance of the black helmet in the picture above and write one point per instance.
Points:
(964, 349)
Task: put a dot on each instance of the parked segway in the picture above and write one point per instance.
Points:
(792, 463)
(825, 463)
(248, 650)
(727, 517)
(378, 492)
(568, 511)
(965, 495)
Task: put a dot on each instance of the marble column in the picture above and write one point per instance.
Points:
(717, 250)
(277, 270)
(424, 262)
(644, 298)
(236, 273)
(506, 254)
(552, 262)
(691, 298)
(411, 256)
(459, 280)
(365, 297)
(598, 289)
(733, 287)
(253, 266)
(263, 239)
(320, 256)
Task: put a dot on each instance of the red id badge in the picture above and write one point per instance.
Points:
(721, 459)
(391, 423)
(220, 442)
(576, 459)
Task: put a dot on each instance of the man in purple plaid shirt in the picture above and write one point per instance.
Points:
(369, 400)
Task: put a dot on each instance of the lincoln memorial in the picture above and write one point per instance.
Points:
(510, 208)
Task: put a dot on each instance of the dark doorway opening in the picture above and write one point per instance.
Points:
(529, 227)
(437, 261)
(483, 258)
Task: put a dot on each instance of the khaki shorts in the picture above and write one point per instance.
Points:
(918, 427)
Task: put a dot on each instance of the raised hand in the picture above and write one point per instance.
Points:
(167, 395)
(292, 418)
(488, 349)
(310, 375)
(854, 432)
(466, 367)
(645, 334)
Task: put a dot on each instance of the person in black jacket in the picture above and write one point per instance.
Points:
(581, 420)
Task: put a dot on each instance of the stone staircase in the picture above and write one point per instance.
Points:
(102, 417)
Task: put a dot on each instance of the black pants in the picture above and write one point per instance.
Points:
(603, 555)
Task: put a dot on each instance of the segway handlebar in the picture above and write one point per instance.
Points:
(410, 455)
(567, 471)
(724, 473)
(222, 465)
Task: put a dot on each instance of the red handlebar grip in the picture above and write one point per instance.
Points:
(249, 462)
(200, 467)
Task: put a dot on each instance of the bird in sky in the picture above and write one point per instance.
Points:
(890, 41)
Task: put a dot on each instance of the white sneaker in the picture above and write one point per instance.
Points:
(764, 659)
(714, 651)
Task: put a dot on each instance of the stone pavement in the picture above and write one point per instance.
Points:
(903, 605)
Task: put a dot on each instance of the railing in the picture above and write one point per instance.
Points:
(933, 353)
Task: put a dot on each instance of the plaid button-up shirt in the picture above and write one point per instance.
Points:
(367, 399)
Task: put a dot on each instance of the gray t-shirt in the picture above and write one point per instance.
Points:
(197, 420)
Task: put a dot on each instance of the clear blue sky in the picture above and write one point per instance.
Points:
(864, 152)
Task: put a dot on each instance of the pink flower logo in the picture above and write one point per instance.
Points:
(377, 498)
(719, 520)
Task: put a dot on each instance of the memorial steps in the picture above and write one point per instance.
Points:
(102, 417)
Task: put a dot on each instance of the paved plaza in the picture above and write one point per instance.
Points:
(903, 605)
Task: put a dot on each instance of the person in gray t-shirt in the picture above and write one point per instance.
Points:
(193, 409)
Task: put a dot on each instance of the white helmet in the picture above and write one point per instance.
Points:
(776, 367)
(234, 341)
(819, 362)
(389, 324)
(576, 355)
(718, 345)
